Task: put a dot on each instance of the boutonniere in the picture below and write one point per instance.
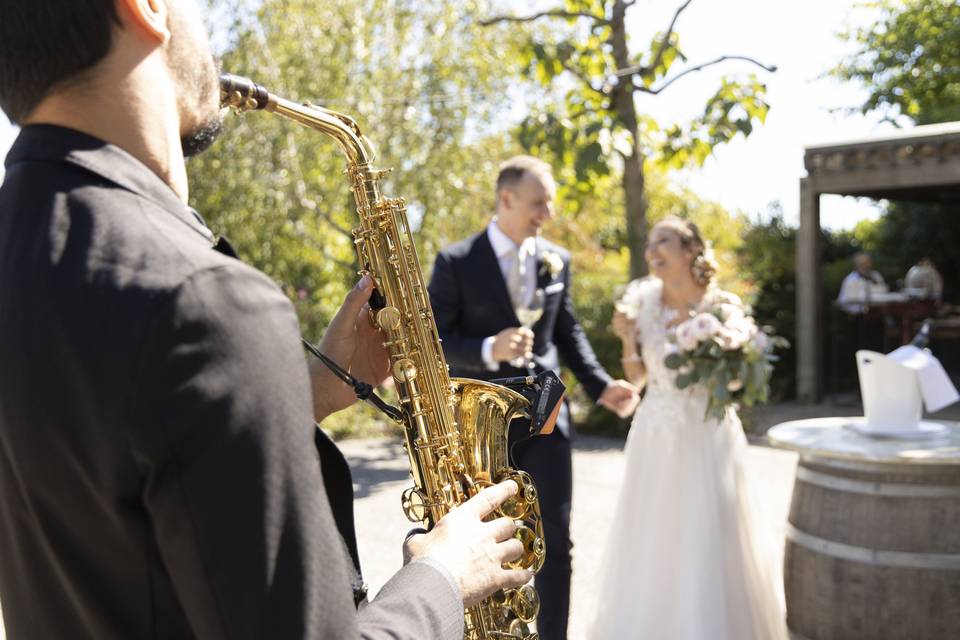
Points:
(552, 263)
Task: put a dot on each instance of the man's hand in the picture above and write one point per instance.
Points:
(512, 343)
(472, 550)
(621, 397)
(355, 344)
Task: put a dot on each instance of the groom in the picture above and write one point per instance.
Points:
(476, 288)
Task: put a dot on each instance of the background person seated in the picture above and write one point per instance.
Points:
(924, 279)
(860, 285)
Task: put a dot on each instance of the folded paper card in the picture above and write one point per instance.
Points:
(935, 385)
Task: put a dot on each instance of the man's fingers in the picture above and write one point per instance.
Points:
(353, 303)
(502, 528)
(510, 578)
(485, 502)
(509, 550)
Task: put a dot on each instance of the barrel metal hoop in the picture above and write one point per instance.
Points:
(855, 464)
(890, 489)
(898, 559)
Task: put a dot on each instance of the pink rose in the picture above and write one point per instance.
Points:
(686, 336)
(705, 326)
(731, 339)
(731, 314)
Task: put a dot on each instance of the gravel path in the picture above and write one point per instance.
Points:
(380, 475)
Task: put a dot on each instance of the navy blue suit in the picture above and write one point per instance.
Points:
(471, 302)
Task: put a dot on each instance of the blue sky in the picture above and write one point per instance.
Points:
(796, 35)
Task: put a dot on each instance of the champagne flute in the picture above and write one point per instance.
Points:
(528, 316)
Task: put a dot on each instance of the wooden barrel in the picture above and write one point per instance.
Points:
(873, 551)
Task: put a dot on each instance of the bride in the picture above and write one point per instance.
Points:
(685, 559)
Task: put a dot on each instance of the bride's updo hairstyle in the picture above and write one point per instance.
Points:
(704, 266)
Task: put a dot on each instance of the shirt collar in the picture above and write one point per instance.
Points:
(502, 244)
(51, 143)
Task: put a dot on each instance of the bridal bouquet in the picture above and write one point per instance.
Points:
(723, 349)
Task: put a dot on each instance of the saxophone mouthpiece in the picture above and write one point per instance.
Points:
(242, 93)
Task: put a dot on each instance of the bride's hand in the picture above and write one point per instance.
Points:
(624, 327)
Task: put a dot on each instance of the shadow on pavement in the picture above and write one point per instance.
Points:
(374, 463)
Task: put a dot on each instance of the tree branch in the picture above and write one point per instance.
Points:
(666, 38)
(644, 69)
(554, 13)
(582, 78)
(699, 67)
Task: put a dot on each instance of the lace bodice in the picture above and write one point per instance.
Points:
(653, 321)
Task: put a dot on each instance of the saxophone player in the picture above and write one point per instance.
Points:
(161, 474)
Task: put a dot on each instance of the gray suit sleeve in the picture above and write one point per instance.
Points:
(424, 590)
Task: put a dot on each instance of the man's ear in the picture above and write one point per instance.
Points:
(504, 199)
(149, 15)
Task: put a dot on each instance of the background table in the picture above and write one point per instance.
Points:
(873, 538)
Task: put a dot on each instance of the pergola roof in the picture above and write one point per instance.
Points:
(919, 164)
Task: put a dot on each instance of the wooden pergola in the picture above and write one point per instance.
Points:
(920, 164)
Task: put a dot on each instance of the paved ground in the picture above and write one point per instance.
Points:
(380, 475)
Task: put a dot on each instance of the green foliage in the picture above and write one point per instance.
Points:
(576, 59)
(732, 110)
(424, 84)
(909, 60)
(767, 261)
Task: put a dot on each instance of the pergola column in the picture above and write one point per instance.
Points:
(808, 295)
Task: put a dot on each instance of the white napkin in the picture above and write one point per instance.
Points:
(935, 385)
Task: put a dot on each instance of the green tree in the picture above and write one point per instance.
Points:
(908, 60)
(598, 127)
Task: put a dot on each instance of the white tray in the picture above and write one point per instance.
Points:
(924, 429)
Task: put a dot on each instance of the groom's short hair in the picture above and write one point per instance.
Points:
(513, 170)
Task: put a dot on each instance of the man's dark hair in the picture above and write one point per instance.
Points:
(47, 43)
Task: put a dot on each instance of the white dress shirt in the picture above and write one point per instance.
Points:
(857, 290)
(507, 251)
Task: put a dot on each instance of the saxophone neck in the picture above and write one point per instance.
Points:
(242, 94)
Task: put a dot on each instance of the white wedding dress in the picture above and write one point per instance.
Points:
(685, 558)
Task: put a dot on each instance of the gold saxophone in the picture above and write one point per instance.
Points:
(455, 429)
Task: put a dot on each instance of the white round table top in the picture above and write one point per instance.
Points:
(834, 438)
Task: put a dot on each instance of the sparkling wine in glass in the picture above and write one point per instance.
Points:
(528, 316)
